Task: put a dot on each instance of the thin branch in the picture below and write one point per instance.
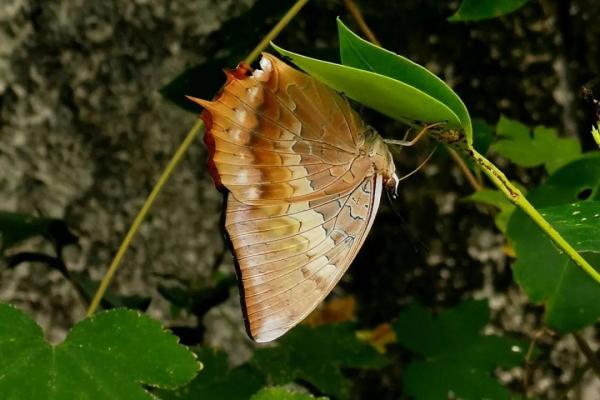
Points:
(360, 21)
(462, 165)
(592, 359)
(528, 357)
(577, 377)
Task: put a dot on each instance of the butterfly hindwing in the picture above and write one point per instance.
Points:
(290, 256)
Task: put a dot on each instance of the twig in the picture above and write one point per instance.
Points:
(592, 359)
(179, 153)
(528, 370)
(360, 21)
(577, 377)
(462, 165)
(53, 262)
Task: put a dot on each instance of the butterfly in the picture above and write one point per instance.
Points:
(303, 177)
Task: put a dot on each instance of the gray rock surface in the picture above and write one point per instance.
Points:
(84, 134)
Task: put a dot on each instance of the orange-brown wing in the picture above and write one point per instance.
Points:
(280, 135)
(291, 255)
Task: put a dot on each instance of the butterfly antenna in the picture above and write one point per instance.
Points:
(400, 179)
(413, 141)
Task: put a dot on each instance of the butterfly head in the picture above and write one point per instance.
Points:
(383, 161)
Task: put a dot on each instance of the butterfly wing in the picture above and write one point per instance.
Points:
(281, 135)
(302, 191)
(291, 255)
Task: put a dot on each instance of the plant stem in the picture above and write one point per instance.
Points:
(360, 21)
(285, 20)
(592, 359)
(179, 153)
(475, 184)
(139, 218)
(517, 198)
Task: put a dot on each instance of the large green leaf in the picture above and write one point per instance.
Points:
(281, 393)
(217, 381)
(531, 149)
(546, 274)
(389, 96)
(457, 357)
(578, 223)
(474, 10)
(107, 356)
(359, 53)
(316, 355)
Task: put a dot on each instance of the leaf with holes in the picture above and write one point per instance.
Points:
(217, 381)
(578, 223)
(547, 275)
(281, 393)
(317, 355)
(475, 10)
(531, 149)
(456, 355)
(108, 356)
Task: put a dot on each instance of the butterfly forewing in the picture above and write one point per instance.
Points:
(303, 193)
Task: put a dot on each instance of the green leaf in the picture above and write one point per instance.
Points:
(217, 381)
(316, 355)
(281, 393)
(391, 97)
(578, 223)
(543, 147)
(199, 301)
(107, 356)
(545, 273)
(457, 357)
(475, 10)
(17, 227)
(359, 53)
(494, 198)
(483, 135)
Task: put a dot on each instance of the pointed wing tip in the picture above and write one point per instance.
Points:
(198, 101)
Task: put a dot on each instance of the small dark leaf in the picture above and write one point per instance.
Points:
(474, 10)
(317, 356)
(198, 301)
(217, 381)
(17, 227)
(483, 135)
(459, 360)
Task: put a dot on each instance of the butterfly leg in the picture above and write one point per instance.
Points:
(418, 136)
